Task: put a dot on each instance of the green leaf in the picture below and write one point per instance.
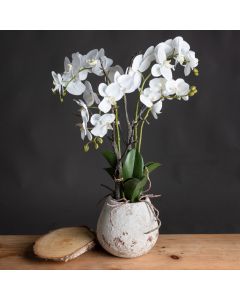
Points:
(110, 157)
(129, 187)
(128, 164)
(138, 166)
(110, 171)
(133, 188)
(151, 166)
(133, 165)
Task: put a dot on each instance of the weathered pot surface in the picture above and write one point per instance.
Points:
(127, 229)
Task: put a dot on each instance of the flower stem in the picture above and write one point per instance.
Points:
(137, 110)
(117, 130)
(127, 118)
(141, 129)
(74, 77)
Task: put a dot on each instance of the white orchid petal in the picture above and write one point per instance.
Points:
(113, 90)
(96, 98)
(136, 62)
(76, 63)
(107, 118)
(187, 70)
(170, 87)
(114, 72)
(95, 119)
(76, 88)
(146, 101)
(83, 74)
(155, 84)
(182, 87)
(137, 80)
(125, 81)
(161, 54)
(147, 92)
(55, 76)
(100, 131)
(145, 64)
(156, 70)
(166, 72)
(89, 135)
(82, 134)
(92, 54)
(102, 89)
(156, 109)
(105, 105)
(67, 65)
(149, 52)
(88, 98)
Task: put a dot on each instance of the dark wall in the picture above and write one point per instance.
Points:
(46, 181)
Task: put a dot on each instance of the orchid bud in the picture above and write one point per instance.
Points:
(86, 148)
(96, 145)
(193, 88)
(195, 72)
(99, 140)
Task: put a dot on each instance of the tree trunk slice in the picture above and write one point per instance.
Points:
(64, 244)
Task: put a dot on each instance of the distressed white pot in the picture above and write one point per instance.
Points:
(123, 230)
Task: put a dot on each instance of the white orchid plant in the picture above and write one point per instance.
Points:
(150, 76)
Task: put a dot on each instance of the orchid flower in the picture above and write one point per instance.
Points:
(191, 62)
(178, 88)
(158, 85)
(131, 81)
(84, 131)
(103, 65)
(57, 82)
(181, 48)
(128, 83)
(97, 62)
(83, 110)
(142, 62)
(163, 66)
(182, 89)
(111, 93)
(85, 118)
(74, 74)
(156, 109)
(92, 57)
(89, 96)
(101, 124)
(148, 97)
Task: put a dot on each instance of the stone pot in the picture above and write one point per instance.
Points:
(127, 229)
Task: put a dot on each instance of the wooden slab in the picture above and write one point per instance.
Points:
(64, 244)
(210, 251)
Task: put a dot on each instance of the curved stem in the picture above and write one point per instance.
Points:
(127, 119)
(137, 109)
(141, 129)
(117, 130)
(74, 77)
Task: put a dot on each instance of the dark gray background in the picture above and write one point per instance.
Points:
(46, 181)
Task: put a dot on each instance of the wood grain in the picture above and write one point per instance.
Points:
(203, 251)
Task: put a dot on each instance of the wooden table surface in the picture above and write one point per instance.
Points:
(182, 251)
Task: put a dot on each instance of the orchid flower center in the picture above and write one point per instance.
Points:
(180, 58)
(92, 62)
(112, 100)
(167, 64)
